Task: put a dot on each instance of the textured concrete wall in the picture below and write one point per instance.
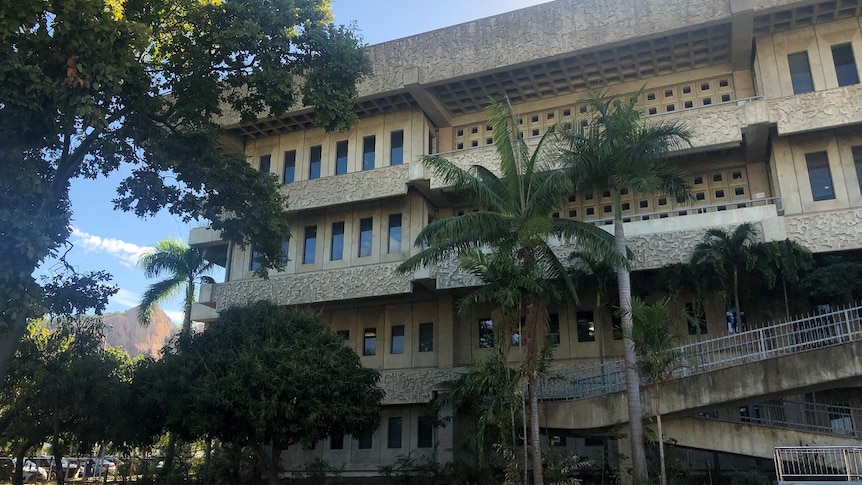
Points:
(818, 110)
(829, 231)
(528, 34)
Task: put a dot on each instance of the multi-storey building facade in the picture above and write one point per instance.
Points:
(769, 88)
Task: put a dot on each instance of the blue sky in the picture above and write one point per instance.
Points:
(105, 239)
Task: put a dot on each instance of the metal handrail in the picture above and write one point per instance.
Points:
(827, 463)
(794, 415)
(770, 341)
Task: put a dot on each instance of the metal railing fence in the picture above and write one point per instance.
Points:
(771, 340)
(823, 463)
(831, 419)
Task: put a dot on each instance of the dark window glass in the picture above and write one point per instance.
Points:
(425, 432)
(344, 335)
(426, 337)
(285, 251)
(396, 152)
(486, 333)
(586, 327)
(265, 162)
(397, 344)
(368, 145)
(394, 245)
(310, 249)
(553, 329)
(365, 226)
(341, 158)
(845, 65)
(800, 73)
(254, 264)
(336, 442)
(820, 176)
(857, 160)
(337, 250)
(696, 320)
(369, 342)
(289, 166)
(394, 434)
(314, 162)
(365, 441)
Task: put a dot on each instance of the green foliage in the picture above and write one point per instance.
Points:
(656, 344)
(726, 255)
(181, 265)
(835, 280)
(418, 469)
(749, 478)
(263, 375)
(88, 87)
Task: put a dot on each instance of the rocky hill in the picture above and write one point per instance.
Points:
(123, 330)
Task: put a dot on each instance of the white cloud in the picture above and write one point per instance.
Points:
(175, 316)
(127, 253)
(126, 298)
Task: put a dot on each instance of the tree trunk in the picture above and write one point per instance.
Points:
(208, 451)
(269, 463)
(169, 453)
(633, 393)
(535, 438)
(9, 344)
(738, 319)
(18, 476)
(660, 441)
(786, 300)
(58, 460)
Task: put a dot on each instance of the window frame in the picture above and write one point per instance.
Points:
(368, 157)
(396, 151)
(817, 165)
(802, 81)
(342, 148)
(366, 237)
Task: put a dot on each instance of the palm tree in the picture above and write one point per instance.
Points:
(658, 354)
(728, 254)
(620, 151)
(181, 265)
(515, 220)
(785, 261)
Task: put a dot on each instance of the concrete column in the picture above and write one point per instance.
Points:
(445, 344)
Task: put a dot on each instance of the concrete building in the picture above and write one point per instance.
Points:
(770, 89)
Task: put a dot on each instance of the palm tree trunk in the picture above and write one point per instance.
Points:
(786, 300)
(662, 466)
(738, 319)
(535, 439)
(639, 466)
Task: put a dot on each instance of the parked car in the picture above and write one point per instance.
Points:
(33, 472)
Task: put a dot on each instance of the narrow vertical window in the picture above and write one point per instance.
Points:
(586, 327)
(486, 333)
(396, 346)
(800, 73)
(845, 65)
(336, 251)
(308, 252)
(820, 176)
(365, 236)
(394, 245)
(553, 337)
(344, 335)
(285, 252)
(431, 144)
(425, 432)
(265, 162)
(289, 174)
(314, 162)
(396, 151)
(365, 441)
(857, 161)
(426, 337)
(369, 341)
(368, 146)
(336, 442)
(394, 435)
(254, 264)
(341, 158)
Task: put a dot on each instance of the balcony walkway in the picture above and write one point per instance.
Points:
(815, 352)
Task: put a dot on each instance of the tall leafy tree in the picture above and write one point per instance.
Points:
(269, 378)
(182, 268)
(728, 254)
(514, 220)
(622, 151)
(784, 262)
(89, 87)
